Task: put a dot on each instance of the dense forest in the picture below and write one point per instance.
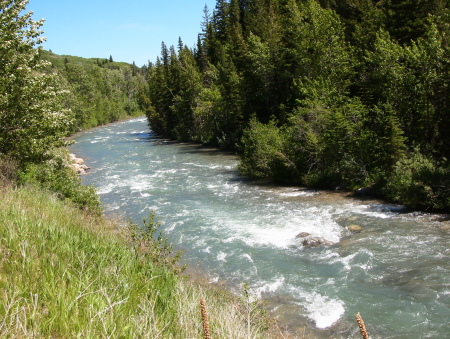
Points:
(351, 94)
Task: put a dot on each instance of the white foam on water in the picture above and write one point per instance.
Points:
(361, 259)
(271, 286)
(377, 210)
(199, 242)
(283, 231)
(228, 189)
(213, 186)
(133, 120)
(173, 226)
(298, 193)
(112, 207)
(274, 229)
(324, 311)
(100, 139)
(248, 257)
(214, 279)
(221, 256)
(105, 189)
(139, 183)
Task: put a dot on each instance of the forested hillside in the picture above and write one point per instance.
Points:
(350, 94)
(99, 91)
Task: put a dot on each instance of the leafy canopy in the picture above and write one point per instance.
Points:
(31, 119)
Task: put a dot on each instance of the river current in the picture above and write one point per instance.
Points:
(395, 272)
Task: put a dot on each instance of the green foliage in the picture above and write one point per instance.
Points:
(420, 182)
(64, 274)
(98, 92)
(264, 152)
(32, 120)
(56, 176)
(353, 86)
(208, 102)
(146, 241)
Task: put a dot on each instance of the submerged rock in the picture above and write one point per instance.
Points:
(355, 228)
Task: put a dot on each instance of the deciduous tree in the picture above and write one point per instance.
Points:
(31, 119)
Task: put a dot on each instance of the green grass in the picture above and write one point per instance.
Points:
(66, 274)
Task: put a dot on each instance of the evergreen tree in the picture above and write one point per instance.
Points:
(320, 92)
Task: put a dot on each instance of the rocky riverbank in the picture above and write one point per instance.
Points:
(78, 164)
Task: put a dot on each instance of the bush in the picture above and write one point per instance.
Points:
(153, 247)
(264, 153)
(57, 177)
(420, 182)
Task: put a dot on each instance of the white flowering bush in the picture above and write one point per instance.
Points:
(32, 121)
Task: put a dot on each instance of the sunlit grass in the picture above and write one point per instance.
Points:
(65, 274)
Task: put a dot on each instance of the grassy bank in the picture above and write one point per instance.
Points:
(65, 274)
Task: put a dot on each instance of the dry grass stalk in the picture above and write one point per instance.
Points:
(205, 322)
(362, 327)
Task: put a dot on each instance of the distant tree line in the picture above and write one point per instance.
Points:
(352, 94)
(99, 91)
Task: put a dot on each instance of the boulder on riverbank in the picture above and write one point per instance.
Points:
(77, 164)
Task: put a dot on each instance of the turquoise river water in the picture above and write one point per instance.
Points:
(395, 272)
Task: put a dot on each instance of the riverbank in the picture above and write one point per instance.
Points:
(66, 273)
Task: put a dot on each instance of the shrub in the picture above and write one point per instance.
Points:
(421, 182)
(264, 152)
(57, 177)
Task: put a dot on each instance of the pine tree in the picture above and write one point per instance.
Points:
(180, 44)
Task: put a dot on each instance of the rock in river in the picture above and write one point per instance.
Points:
(309, 241)
(303, 235)
(315, 242)
(355, 228)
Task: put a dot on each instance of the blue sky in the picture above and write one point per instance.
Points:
(129, 30)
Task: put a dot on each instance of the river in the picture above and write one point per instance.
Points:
(395, 272)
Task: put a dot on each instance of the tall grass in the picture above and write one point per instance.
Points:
(66, 274)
